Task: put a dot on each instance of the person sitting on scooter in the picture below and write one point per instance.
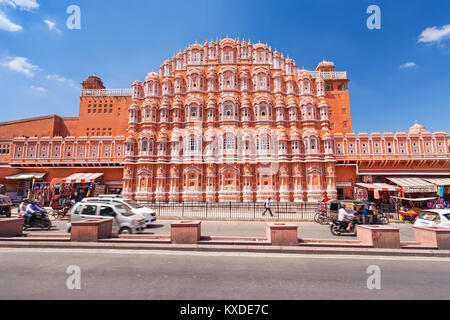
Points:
(31, 210)
(346, 217)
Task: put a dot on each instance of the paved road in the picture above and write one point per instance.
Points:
(109, 274)
(245, 229)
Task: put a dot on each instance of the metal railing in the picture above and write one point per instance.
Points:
(329, 75)
(105, 92)
(234, 210)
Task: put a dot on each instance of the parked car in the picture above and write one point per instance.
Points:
(149, 214)
(433, 218)
(124, 220)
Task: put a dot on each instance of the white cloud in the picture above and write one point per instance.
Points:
(62, 80)
(39, 90)
(8, 25)
(408, 65)
(20, 64)
(26, 5)
(435, 34)
(52, 26)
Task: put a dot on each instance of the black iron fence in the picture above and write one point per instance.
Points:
(235, 210)
(243, 210)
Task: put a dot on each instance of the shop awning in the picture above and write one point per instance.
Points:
(439, 181)
(379, 186)
(414, 185)
(27, 176)
(82, 178)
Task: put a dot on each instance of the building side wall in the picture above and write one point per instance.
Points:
(33, 127)
(103, 116)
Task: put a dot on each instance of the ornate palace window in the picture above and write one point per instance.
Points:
(228, 142)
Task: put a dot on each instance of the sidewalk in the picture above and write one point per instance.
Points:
(219, 244)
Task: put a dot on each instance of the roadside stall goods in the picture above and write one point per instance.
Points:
(409, 208)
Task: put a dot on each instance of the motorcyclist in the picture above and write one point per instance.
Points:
(346, 217)
(31, 210)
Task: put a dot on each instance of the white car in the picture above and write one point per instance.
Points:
(433, 218)
(149, 214)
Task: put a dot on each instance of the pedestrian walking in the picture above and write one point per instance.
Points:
(267, 207)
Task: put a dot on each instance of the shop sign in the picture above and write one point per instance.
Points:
(343, 184)
(99, 189)
(420, 189)
(11, 188)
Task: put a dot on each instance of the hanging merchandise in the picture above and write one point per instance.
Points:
(376, 194)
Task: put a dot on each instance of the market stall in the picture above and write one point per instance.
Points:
(379, 193)
(443, 188)
(409, 208)
(30, 186)
(79, 185)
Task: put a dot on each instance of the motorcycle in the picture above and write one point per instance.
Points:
(38, 220)
(338, 228)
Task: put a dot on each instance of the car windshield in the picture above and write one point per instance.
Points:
(429, 216)
(133, 204)
(124, 210)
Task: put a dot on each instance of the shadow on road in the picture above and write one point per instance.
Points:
(155, 226)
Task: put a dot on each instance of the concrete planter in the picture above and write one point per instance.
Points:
(282, 234)
(378, 236)
(11, 227)
(433, 237)
(91, 230)
(185, 232)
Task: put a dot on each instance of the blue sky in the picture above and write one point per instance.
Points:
(398, 74)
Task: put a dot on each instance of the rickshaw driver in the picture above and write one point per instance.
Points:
(344, 216)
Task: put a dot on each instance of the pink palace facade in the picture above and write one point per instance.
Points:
(234, 121)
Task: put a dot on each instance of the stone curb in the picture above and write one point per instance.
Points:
(225, 248)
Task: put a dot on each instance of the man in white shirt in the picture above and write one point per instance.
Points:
(267, 207)
(344, 216)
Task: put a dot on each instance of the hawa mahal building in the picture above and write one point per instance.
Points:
(224, 121)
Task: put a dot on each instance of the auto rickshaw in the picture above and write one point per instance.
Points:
(5, 205)
(355, 207)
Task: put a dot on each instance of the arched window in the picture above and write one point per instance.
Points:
(228, 142)
(228, 110)
(192, 143)
(313, 144)
(264, 142)
(263, 111)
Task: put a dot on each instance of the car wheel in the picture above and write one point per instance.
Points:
(125, 230)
